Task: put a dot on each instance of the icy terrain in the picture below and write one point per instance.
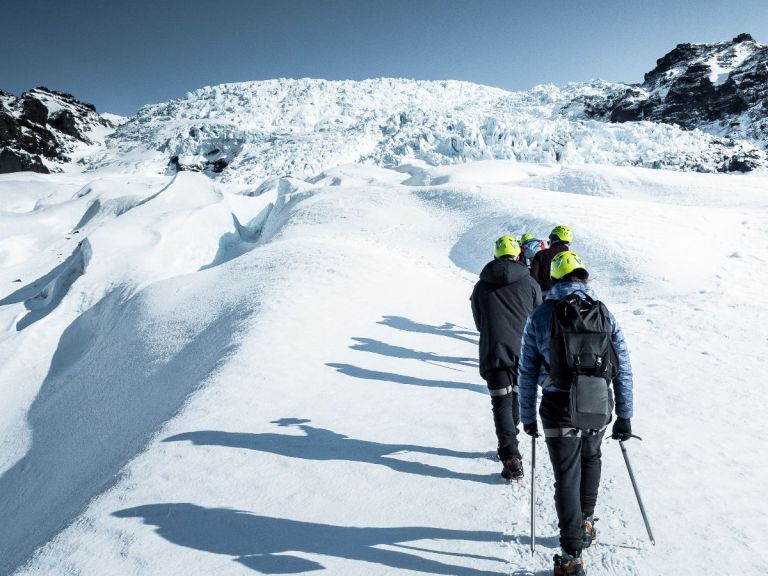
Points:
(280, 377)
(248, 131)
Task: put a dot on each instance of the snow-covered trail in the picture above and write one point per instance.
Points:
(312, 396)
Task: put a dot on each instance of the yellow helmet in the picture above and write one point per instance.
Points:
(525, 237)
(564, 263)
(563, 232)
(507, 246)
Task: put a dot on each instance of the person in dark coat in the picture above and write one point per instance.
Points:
(559, 241)
(501, 301)
(575, 454)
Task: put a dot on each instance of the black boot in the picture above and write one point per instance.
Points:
(588, 531)
(567, 565)
(513, 469)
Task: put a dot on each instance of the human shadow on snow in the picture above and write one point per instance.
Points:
(378, 347)
(321, 444)
(447, 329)
(357, 372)
(268, 545)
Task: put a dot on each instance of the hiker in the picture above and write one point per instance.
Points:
(529, 247)
(559, 241)
(574, 452)
(501, 301)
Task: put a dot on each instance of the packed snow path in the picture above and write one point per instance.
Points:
(283, 379)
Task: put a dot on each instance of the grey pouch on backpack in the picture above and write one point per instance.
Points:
(591, 402)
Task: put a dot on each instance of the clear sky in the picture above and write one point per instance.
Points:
(121, 55)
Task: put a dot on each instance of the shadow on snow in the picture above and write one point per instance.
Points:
(268, 545)
(108, 388)
(378, 347)
(321, 444)
(447, 329)
(365, 374)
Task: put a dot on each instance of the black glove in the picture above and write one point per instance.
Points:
(531, 429)
(622, 429)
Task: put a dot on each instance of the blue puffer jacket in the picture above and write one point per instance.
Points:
(535, 347)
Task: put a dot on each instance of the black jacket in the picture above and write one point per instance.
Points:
(542, 261)
(502, 300)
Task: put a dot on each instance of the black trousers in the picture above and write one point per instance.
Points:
(576, 462)
(506, 411)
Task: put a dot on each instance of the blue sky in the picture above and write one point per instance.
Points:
(121, 55)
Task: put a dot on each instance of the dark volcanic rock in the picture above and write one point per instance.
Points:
(682, 53)
(64, 121)
(14, 161)
(10, 131)
(200, 163)
(744, 37)
(34, 111)
(28, 131)
(36, 139)
(219, 165)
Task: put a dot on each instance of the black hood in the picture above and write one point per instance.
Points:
(503, 272)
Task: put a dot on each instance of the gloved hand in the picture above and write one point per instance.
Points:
(531, 429)
(622, 429)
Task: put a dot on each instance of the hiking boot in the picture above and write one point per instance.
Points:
(567, 565)
(513, 469)
(588, 531)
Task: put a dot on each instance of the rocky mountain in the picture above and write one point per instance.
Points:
(45, 129)
(719, 88)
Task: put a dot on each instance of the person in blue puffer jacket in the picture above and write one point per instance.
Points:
(575, 456)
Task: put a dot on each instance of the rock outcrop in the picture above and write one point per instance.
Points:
(719, 88)
(41, 130)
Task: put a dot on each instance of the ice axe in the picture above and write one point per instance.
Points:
(636, 489)
(533, 494)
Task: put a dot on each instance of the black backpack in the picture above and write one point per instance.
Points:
(581, 352)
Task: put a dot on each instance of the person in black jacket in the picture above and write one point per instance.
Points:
(501, 301)
(559, 241)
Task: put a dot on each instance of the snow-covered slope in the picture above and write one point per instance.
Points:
(281, 377)
(245, 132)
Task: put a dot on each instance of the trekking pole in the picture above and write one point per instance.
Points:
(637, 490)
(533, 494)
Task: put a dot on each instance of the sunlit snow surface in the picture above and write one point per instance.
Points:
(280, 377)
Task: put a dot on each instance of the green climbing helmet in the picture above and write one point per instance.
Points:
(564, 233)
(564, 263)
(525, 237)
(507, 246)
